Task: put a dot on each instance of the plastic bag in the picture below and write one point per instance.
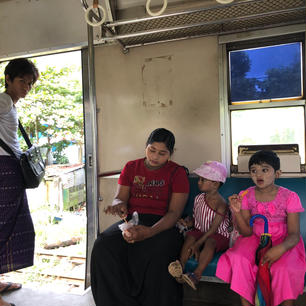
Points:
(126, 225)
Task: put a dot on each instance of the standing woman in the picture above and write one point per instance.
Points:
(130, 269)
(16, 226)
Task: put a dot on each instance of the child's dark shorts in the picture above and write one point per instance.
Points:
(222, 243)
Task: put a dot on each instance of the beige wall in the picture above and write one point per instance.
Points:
(108, 187)
(172, 85)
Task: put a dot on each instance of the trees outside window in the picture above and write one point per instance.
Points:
(52, 113)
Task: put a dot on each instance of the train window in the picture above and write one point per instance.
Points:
(267, 73)
(284, 125)
(266, 96)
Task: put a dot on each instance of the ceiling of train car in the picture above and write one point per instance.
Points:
(132, 26)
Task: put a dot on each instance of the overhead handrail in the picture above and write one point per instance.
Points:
(173, 14)
(211, 22)
(224, 1)
(157, 13)
(93, 13)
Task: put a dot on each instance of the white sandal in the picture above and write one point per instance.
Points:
(176, 270)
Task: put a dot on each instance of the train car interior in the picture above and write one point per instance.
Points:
(179, 64)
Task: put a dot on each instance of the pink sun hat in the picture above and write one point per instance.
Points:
(212, 170)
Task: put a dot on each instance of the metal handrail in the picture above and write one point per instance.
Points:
(186, 12)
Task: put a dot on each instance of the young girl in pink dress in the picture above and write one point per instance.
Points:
(286, 258)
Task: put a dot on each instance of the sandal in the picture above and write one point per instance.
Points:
(191, 280)
(176, 270)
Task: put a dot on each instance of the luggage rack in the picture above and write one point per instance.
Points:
(288, 153)
(277, 148)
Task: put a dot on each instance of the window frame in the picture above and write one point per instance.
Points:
(253, 39)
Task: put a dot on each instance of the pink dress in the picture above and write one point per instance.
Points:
(237, 265)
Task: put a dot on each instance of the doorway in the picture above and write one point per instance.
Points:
(53, 116)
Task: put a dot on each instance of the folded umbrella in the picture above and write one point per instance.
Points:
(263, 278)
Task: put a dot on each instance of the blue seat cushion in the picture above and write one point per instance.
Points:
(210, 269)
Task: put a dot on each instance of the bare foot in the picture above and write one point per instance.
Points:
(8, 286)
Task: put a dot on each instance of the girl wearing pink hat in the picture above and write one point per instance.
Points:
(210, 220)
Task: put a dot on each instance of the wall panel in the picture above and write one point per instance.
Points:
(173, 85)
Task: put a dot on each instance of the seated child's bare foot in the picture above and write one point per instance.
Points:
(191, 279)
(176, 270)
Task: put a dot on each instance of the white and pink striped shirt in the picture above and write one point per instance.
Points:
(204, 215)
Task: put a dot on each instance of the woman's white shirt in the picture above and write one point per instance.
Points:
(9, 124)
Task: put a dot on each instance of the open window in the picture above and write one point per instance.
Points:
(265, 96)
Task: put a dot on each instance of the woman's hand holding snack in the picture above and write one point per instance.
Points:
(137, 233)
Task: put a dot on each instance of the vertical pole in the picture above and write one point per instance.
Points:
(91, 149)
(225, 127)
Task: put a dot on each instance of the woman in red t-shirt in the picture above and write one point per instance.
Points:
(130, 269)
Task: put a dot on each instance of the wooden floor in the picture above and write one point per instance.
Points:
(217, 294)
(212, 294)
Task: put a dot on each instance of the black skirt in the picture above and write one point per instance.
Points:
(124, 274)
(16, 227)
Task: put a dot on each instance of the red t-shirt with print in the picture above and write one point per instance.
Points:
(150, 189)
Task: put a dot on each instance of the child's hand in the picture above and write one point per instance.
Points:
(273, 255)
(119, 210)
(235, 203)
(194, 250)
(187, 222)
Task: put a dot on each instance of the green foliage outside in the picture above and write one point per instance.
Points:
(52, 112)
(242, 87)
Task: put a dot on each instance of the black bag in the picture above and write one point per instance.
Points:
(32, 167)
(31, 162)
